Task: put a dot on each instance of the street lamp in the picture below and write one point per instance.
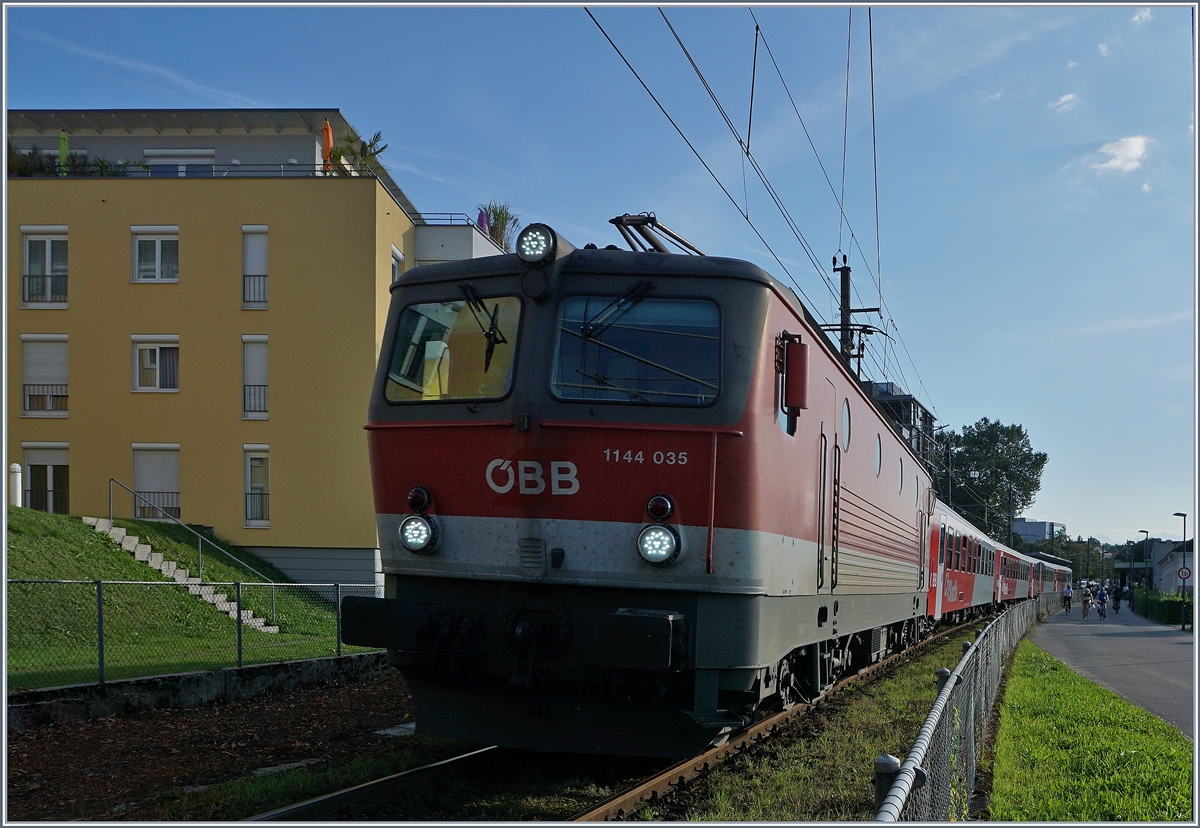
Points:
(1145, 555)
(1183, 588)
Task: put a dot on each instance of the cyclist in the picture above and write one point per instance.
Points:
(1087, 601)
(1102, 602)
(1066, 598)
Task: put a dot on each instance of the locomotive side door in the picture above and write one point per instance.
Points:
(826, 531)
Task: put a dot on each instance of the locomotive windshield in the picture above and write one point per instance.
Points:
(640, 350)
(459, 350)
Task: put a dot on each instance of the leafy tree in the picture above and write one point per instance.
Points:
(988, 460)
(502, 223)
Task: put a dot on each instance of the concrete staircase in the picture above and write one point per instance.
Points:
(155, 560)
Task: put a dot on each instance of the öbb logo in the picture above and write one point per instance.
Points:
(501, 477)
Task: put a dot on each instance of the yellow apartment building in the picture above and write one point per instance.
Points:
(202, 323)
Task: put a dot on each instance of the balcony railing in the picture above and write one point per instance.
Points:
(46, 397)
(258, 506)
(45, 288)
(103, 169)
(254, 291)
(255, 399)
(57, 501)
(148, 504)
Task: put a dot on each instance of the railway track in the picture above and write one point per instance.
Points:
(628, 801)
(370, 798)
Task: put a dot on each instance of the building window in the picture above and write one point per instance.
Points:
(258, 485)
(45, 392)
(48, 479)
(156, 480)
(397, 264)
(254, 265)
(254, 385)
(45, 277)
(156, 254)
(156, 363)
(180, 163)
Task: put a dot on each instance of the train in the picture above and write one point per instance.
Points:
(629, 501)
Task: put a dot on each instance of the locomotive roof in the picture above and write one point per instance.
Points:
(604, 262)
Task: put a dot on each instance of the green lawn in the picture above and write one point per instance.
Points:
(1068, 749)
(820, 768)
(149, 629)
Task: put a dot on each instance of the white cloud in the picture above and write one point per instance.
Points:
(1125, 154)
(1103, 47)
(993, 96)
(144, 68)
(1064, 103)
(1071, 64)
(1130, 324)
(1141, 17)
(1146, 187)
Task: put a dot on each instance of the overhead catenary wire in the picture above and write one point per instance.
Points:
(845, 128)
(701, 160)
(875, 172)
(812, 256)
(833, 191)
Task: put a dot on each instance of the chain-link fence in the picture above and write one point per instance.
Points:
(76, 632)
(937, 777)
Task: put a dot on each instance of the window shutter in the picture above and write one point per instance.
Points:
(45, 363)
(256, 254)
(256, 363)
(156, 471)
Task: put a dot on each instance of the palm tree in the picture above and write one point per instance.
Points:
(359, 152)
(502, 223)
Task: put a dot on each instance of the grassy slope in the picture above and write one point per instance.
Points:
(148, 630)
(1068, 749)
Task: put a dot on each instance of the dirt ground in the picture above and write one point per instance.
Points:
(88, 769)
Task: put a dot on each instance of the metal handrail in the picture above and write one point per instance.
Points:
(199, 537)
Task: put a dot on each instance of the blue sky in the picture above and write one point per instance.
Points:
(1036, 175)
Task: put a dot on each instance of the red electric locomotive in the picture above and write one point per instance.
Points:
(628, 500)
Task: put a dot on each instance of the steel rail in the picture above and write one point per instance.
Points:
(650, 790)
(367, 794)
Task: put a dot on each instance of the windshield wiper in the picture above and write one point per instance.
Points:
(492, 332)
(596, 325)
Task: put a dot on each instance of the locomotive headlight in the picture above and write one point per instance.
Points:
(658, 545)
(418, 534)
(536, 245)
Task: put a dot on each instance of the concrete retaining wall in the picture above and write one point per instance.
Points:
(29, 708)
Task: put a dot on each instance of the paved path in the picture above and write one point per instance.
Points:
(1146, 663)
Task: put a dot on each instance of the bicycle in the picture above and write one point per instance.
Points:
(1101, 610)
(1087, 605)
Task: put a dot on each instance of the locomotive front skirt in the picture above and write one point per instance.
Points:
(628, 501)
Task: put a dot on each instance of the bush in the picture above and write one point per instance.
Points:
(1164, 607)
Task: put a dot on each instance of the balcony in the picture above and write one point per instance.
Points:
(254, 401)
(46, 166)
(45, 399)
(254, 292)
(45, 289)
(153, 505)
